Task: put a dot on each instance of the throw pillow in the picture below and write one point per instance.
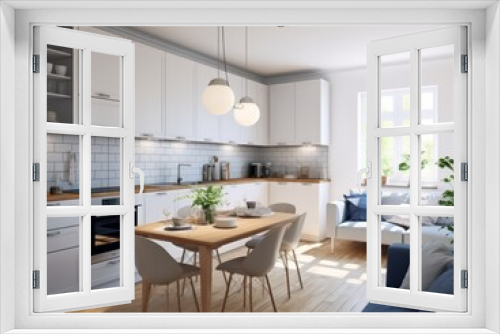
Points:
(435, 258)
(400, 220)
(355, 207)
(443, 283)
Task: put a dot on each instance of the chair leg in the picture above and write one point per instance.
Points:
(183, 255)
(167, 298)
(220, 261)
(285, 257)
(146, 289)
(194, 294)
(178, 295)
(250, 293)
(332, 244)
(244, 292)
(227, 292)
(271, 294)
(298, 269)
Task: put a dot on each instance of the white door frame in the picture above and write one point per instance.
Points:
(474, 18)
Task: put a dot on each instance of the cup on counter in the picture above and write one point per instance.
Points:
(178, 221)
(251, 204)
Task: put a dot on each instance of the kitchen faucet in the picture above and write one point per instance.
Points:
(179, 178)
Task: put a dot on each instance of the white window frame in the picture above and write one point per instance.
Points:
(484, 308)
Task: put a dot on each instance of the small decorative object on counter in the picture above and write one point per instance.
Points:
(216, 170)
(224, 169)
(207, 172)
(207, 199)
(304, 172)
(267, 170)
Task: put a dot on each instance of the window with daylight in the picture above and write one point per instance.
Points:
(395, 105)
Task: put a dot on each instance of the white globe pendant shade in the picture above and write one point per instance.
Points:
(218, 97)
(247, 113)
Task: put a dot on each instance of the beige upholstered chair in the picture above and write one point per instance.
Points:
(283, 207)
(256, 264)
(290, 242)
(157, 267)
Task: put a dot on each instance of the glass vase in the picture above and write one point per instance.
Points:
(209, 214)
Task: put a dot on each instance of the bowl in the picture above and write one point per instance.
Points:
(178, 221)
(61, 69)
(225, 222)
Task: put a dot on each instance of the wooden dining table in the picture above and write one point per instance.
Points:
(208, 238)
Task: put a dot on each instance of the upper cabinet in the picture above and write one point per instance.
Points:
(262, 126)
(179, 100)
(149, 69)
(229, 130)
(282, 114)
(207, 125)
(312, 109)
(299, 113)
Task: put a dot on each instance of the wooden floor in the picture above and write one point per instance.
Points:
(332, 283)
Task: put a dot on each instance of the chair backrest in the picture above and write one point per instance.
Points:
(261, 260)
(292, 235)
(154, 263)
(283, 207)
(185, 211)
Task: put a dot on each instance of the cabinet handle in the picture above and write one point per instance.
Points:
(53, 234)
(160, 194)
(306, 143)
(112, 262)
(208, 139)
(107, 96)
(250, 143)
(53, 204)
(147, 135)
(232, 142)
(180, 137)
(307, 184)
(281, 143)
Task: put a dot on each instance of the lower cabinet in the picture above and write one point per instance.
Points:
(307, 197)
(63, 271)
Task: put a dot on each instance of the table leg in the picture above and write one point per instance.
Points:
(206, 278)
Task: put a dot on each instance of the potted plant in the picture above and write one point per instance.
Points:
(405, 165)
(448, 196)
(207, 199)
(386, 171)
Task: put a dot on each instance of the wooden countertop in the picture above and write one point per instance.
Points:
(158, 188)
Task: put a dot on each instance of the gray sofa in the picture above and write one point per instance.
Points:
(391, 233)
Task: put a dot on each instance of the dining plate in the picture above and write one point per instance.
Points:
(178, 228)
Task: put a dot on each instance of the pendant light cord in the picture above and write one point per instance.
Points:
(218, 52)
(246, 59)
(224, 53)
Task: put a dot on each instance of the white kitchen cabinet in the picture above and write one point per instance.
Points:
(179, 97)
(299, 113)
(282, 114)
(307, 197)
(149, 72)
(262, 126)
(156, 203)
(312, 109)
(248, 134)
(182, 199)
(207, 125)
(229, 130)
(63, 271)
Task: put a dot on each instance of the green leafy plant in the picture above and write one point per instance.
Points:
(448, 196)
(386, 171)
(404, 166)
(208, 197)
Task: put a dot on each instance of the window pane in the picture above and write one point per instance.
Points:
(62, 85)
(395, 167)
(436, 75)
(394, 76)
(63, 170)
(63, 255)
(437, 254)
(438, 169)
(106, 233)
(106, 170)
(106, 90)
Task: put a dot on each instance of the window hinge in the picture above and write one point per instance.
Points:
(36, 279)
(465, 279)
(464, 171)
(465, 64)
(36, 172)
(36, 63)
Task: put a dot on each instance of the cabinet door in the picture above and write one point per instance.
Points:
(149, 69)
(156, 203)
(229, 130)
(62, 271)
(248, 134)
(256, 192)
(179, 81)
(282, 114)
(234, 195)
(307, 200)
(207, 125)
(311, 112)
(262, 126)
(182, 199)
(105, 105)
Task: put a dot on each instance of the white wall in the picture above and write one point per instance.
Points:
(345, 86)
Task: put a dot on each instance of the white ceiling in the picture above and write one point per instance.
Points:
(278, 51)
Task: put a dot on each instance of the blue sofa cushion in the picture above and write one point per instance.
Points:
(355, 207)
(371, 307)
(443, 283)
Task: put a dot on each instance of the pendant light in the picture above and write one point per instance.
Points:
(218, 97)
(247, 112)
